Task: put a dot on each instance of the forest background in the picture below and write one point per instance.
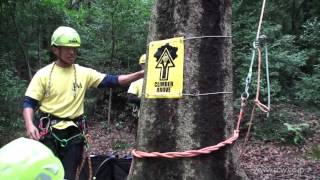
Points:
(114, 35)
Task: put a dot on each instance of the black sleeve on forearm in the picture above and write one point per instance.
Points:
(133, 99)
(109, 81)
(30, 102)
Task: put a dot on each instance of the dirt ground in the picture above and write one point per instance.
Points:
(261, 160)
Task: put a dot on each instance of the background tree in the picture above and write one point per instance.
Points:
(168, 125)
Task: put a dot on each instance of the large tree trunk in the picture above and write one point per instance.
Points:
(191, 122)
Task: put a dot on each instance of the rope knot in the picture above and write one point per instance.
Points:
(260, 42)
(195, 92)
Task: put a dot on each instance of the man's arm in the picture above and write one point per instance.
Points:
(125, 80)
(120, 80)
(29, 105)
(132, 98)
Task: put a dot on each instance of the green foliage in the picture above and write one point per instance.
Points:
(120, 145)
(11, 93)
(295, 133)
(11, 85)
(307, 89)
(308, 86)
(116, 31)
(293, 46)
(285, 63)
(273, 130)
(269, 129)
(315, 153)
(284, 125)
(311, 34)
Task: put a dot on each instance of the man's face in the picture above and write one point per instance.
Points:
(66, 55)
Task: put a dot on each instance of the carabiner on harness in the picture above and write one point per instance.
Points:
(44, 128)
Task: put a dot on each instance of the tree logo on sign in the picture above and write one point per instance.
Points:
(165, 56)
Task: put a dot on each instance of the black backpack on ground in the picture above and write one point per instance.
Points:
(106, 167)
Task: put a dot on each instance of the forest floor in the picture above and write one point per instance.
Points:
(261, 160)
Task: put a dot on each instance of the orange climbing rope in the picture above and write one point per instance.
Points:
(261, 106)
(192, 153)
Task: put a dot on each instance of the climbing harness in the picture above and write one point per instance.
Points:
(135, 111)
(46, 123)
(44, 129)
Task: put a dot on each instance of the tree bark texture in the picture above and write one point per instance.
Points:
(167, 125)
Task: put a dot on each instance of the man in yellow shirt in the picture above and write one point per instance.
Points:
(58, 90)
(135, 88)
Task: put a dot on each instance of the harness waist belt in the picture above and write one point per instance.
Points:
(48, 119)
(55, 119)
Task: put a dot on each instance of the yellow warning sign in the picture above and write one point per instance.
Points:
(165, 69)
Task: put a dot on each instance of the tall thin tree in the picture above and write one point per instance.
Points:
(191, 122)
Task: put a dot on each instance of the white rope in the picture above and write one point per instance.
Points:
(205, 94)
(261, 17)
(191, 94)
(201, 37)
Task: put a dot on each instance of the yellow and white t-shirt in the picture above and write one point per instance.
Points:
(60, 91)
(136, 87)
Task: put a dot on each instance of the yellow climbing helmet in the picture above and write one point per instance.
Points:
(24, 159)
(65, 36)
(142, 59)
